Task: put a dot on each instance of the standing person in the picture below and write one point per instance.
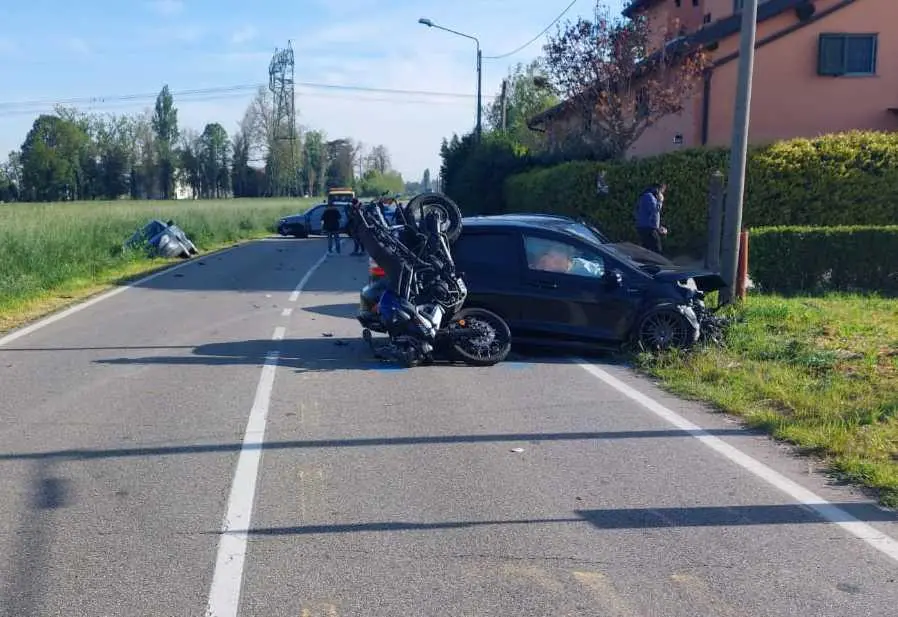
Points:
(330, 222)
(351, 225)
(648, 217)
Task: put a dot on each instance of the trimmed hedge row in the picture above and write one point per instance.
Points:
(841, 179)
(821, 259)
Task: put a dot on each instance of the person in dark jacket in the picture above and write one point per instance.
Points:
(648, 217)
(330, 222)
(357, 248)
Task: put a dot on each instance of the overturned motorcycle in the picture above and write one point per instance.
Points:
(419, 304)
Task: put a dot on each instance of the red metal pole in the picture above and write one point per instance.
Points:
(742, 274)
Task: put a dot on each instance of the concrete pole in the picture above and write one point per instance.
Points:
(715, 221)
(739, 151)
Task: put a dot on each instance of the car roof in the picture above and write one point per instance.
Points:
(524, 220)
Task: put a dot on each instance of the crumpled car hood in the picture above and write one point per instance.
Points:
(705, 280)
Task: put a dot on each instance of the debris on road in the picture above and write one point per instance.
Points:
(327, 334)
(517, 450)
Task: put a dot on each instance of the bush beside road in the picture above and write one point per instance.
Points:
(55, 254)
(820, 373)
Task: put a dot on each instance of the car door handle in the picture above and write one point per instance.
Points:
(543, 284)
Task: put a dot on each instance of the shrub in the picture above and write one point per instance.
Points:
(841, 179)
(821, 259)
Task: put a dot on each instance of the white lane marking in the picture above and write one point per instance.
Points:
(287, 312)
(296, 292)
(823, 508)
(17, 334)
(227, 580)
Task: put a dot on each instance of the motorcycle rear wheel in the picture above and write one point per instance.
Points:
(490, 345)
(450, 213)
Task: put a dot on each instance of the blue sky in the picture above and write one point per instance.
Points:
(53, 50)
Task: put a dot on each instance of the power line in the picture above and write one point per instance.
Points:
(534, 39)
(224, 90)
(109, 105)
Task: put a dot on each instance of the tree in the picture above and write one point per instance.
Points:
(314, 162)
(379, 159)
(524, 98)
(51, 159)
(215, 161)
(340, 155)
(165, 126)
(374, 183)
(607, 70)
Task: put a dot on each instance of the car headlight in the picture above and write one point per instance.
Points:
(165, 239)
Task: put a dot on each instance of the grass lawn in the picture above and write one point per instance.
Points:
(54, 254)
(821, 373)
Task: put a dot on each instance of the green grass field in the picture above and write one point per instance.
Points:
(821, 373)
(52, 254)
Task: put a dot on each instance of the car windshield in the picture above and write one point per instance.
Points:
(587, 232)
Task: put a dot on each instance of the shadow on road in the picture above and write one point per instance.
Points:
(363, 442)
(30, 559)
(327, 353)
(625, 518)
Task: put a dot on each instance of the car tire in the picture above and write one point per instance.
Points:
(663, 328)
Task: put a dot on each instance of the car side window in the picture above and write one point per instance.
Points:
(544, 255)
(487, 252)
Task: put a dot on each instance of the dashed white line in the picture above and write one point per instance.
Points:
(287, 312)
(823, 508)
(227, 580)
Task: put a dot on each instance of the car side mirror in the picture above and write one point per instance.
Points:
(613, 279)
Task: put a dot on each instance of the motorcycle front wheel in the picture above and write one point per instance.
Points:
(479, 337)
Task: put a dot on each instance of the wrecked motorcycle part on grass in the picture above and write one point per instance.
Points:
(419, 302)
(159, 239)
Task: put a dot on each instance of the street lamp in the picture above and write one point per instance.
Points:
(430, 24)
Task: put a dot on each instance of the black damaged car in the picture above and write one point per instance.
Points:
(560, 282)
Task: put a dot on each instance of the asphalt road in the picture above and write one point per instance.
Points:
(533, 488)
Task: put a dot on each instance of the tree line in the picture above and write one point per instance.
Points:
(73, 155)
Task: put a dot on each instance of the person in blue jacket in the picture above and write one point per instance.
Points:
(648, 217)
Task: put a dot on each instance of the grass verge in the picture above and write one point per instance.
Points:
(53, 255)
(820, 373)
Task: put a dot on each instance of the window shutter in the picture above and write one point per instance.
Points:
(831, 57)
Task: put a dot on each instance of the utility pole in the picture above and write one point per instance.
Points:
(738, 152)
(479, 86)
(502, 98)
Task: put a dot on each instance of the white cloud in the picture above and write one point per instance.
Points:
(244, 35)
(166, 7)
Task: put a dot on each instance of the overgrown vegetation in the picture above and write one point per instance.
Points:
(821, 373)
(54, 249)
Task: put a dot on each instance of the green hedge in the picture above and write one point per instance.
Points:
(842, 179)
(821, 259)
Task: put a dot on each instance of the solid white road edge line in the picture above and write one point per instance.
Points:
(823, 508)
(299, 286)
(227, 579)
(46, 321)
